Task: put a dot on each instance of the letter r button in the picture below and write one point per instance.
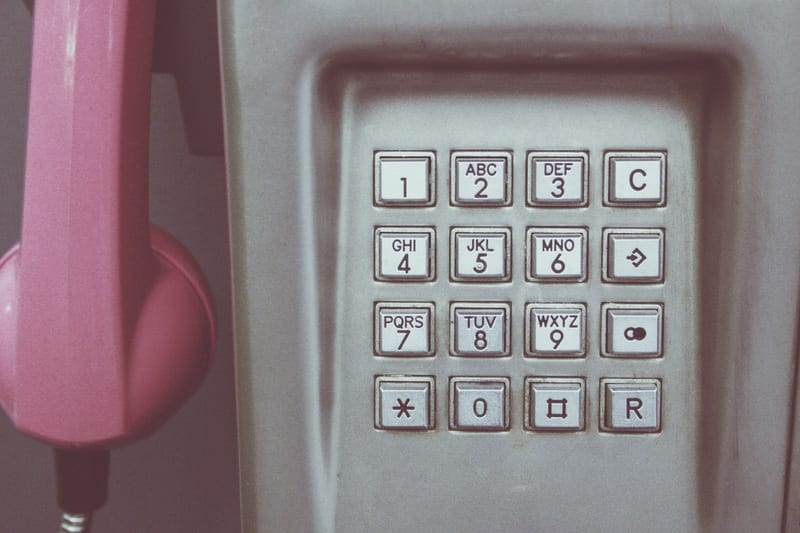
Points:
(630, 405)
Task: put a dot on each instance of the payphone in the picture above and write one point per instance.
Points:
(533, 267)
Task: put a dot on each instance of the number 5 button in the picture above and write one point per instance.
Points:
(480, 254)
(557, 179)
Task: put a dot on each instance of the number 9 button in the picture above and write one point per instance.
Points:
(555, 330)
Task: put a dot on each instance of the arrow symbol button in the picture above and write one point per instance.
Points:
(637, 257)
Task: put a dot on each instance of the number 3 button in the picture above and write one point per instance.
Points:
(557, 179)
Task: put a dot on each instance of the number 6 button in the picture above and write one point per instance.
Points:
(556, 254)
(480, 254)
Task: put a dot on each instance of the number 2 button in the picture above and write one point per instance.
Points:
(480, 178)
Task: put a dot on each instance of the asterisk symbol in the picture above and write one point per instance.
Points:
(403, 407)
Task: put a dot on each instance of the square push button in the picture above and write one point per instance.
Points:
(557, 178)
(480, 329)
(404, 254)
(556, 254)
(554, 404)
(636, 179)
(633, 255)
(631, 330)
(480, 178)
(404, 402)
(479, 404)
(404, 329)
(480, 254)
(630, 405)
(405, 178)
(555, 330)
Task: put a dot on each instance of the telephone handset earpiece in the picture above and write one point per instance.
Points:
(106, 323)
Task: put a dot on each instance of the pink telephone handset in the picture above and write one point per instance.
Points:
(106, 323)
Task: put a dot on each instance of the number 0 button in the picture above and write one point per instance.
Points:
(479, 404)
(404, 254)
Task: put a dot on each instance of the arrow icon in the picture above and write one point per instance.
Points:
(637, 257)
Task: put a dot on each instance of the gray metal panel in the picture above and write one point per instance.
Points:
(290, 135)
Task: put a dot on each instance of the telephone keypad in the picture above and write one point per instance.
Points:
(558, 257)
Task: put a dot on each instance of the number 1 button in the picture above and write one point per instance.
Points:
(405, 179)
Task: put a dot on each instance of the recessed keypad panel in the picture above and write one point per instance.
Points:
(518, 285)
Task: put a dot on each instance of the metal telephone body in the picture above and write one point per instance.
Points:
(405, 361)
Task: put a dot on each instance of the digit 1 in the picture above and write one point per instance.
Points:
(405, 186)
